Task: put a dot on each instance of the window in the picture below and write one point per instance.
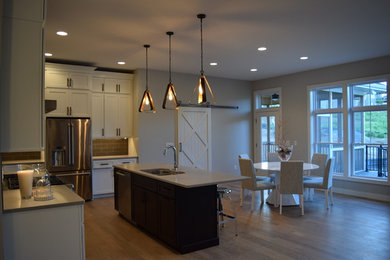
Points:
(268, 100)
(327, 114)
(349, 122)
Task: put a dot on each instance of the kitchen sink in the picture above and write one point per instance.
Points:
(162, 171)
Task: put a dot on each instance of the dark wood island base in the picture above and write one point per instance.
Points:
(185, 219)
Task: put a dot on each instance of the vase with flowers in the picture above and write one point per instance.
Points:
(284, 147)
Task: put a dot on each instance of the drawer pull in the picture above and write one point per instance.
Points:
(104, 164)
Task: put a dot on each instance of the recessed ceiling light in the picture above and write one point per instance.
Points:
(304, 58)
(121, 62)
(213, 63)
(47, 54)
(253, 70)
(62, 33)
(262, 48)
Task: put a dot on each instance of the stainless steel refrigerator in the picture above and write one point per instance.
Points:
(69, 152)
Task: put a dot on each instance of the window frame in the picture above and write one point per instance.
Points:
(348, 123)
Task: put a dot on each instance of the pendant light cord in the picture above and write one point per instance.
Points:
(146, 74)
(170, 61)
(201, 46)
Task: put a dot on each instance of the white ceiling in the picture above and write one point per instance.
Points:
(330, 32)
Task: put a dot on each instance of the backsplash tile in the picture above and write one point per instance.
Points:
(106, 147)
(19, 156)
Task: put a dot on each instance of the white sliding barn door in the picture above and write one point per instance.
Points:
(193, 137)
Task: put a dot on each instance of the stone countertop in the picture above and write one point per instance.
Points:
(62, 196)
(23, 162)
(114, 157)
(191, 178)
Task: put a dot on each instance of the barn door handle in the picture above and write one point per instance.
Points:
(180, 147)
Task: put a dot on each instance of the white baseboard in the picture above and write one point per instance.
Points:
(367, 195)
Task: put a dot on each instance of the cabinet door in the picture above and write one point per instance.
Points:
(124, 86)
(56, 79)
(98, 84)
(61, 96)
(139, 202)
(80, 103)
(97, 115)
(111, 86)
(102, 181)
(79, 81)
(166, 225)
(151, 218)
(110, 115)
(125, 115)
(124, 191)
(21, 86)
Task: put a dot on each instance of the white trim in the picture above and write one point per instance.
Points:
(347, 111)
(358, 179)
(361, 194)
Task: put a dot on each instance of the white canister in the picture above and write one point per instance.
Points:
(25, 178)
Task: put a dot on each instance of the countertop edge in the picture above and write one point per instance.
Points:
(238, 178)
(65, 204)
(113, 157)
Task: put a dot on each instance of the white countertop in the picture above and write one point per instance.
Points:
(23, 161)
(62, 196)
(190, 179)
(113, 157)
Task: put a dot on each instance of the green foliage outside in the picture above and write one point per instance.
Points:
(376, 124)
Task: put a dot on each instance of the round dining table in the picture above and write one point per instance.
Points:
(274, 167)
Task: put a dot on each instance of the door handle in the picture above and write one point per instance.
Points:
(67, 82)
(72, 128)
(180, 147)
(119, 128)
(102, 87)
(71, 82)
(102, 131)
(69, 145)
(70, 109)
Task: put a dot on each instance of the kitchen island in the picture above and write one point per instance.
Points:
(52, 229)
(179, 210)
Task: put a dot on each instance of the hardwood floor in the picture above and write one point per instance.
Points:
(352, 228)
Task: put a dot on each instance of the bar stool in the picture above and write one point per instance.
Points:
(221, 192)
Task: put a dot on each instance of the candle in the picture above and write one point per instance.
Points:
(25, 178)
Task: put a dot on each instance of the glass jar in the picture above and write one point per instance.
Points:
(43, 189)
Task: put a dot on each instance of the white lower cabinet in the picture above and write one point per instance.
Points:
(103, 175)
(48, 233)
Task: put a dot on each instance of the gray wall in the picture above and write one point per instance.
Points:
(294, 110)
(231, 130)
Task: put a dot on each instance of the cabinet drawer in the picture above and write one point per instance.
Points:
(102, 164)
(125, 161)
(166, 190)
(145, 182)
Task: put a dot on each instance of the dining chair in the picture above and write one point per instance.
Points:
(291, 181)
(259, 178)
(325, 183)
(273, 157)
(317, 174)
(247, 169)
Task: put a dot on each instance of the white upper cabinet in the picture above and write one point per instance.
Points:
(112, 82)
(97, 115)
(65, 79)
(70, 102)
(21, 104)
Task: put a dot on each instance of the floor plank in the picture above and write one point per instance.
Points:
(352, 228)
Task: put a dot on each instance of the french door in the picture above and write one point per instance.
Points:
(266, 134)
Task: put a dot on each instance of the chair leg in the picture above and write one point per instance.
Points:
(253, 199)
(326, 199)
(331, 195)
(280, 204)
(241, 196)
(262, 196)
(301, 203)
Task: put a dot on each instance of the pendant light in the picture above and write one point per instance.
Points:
(147, 104)
(170, 101)
(201, 89)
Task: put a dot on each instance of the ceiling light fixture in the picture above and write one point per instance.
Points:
(253, 70)
(170, 101)
(48, 54)
(262, 48)
(147, 104)
(213, 64)
(304, 58)
(201, 89)
(62, 33)
(121, 62)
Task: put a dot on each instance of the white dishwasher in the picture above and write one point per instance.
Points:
(103, 175)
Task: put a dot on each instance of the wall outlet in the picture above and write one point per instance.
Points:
(168, 144)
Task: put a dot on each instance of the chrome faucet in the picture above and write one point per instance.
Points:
(175, 166)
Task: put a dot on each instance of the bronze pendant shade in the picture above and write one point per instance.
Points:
(201, 88)
(170, 101)
(147, 104)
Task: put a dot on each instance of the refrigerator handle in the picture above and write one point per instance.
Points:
(72, 127)
(69, 144)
